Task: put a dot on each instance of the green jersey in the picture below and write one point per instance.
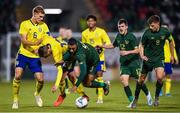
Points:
(126, 42)
(153, 43)
(87, 57)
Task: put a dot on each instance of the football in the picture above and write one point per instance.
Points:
(81, 102)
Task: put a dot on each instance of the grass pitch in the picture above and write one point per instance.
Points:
(116, 101)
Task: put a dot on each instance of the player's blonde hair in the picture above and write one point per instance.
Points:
(38, 9)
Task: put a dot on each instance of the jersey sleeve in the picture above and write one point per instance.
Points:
(57, 53)
(83, 38)
(23, 29)
(143, 39)
(105, 37)
(46, 29)
(115, 43)
(134, 42)
(83, 68)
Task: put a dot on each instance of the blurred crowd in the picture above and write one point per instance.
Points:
(137, 12)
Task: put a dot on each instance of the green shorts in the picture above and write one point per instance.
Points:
(133, 70)
(149, 66)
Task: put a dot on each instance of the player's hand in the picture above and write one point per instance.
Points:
(144, 58)
(99, 49)
(177, 61)
(172, 59)
(124, 53)
(38, 42)
(54, 88)
(73, 89)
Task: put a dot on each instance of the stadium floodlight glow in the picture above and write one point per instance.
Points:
(53, 11)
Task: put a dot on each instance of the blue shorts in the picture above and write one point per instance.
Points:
(34, 64)
(100, 66)
(168, 68)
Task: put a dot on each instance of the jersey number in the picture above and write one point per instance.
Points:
(34, 35)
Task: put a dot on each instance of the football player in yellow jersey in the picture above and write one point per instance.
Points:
(52, 46)
(168, 65)
(97, 37)
(31, 32)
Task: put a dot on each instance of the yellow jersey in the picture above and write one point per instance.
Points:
(33, 33)
(167, 52)
(96, 37)
(64, 44)
(57, 53)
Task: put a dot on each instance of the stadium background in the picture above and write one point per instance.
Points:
(12, 12)
(73, 15)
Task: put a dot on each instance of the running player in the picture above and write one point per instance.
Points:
(152, 54)
(129, 59)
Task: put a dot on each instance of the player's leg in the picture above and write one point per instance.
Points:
(135, 74)
(145, 69)
(35, 67)
(91, 82)
(20, 66)
(168, 73)
(100, 69)
(124, 78)
(80, 90)
(159, 75)
(125, 82)
(62, 87)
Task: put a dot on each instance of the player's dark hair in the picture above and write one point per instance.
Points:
(91, 17)
(38, 9)
(42, 50)
(72, 41)
(122, 20)
(153, 18)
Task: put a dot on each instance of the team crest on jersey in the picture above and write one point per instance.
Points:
(40, 29)
(126, 42)
(162, 37)
(96, 35)
(152, 38)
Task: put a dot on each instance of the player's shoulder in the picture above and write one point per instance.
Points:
(131, 34)
(100, 29)
(164, 29)
(25, 22)
(85, 31)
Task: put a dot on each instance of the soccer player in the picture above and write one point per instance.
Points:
(31, 32)
(152, 54)
(96, 37)
(129, 59)
(88, 59)
(53, 47)
(168, 65)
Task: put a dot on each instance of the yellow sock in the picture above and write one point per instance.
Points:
(100, 90)
(16, 86)
(39, 86)
(167, 85)
(62, 87)
(80, 90)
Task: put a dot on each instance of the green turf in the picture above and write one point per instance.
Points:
(116, 101)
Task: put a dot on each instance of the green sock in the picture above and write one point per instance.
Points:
(39, 86)
(128, 93)
(159, 85)
(138, 89)
(145, 89)
(97, 84)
